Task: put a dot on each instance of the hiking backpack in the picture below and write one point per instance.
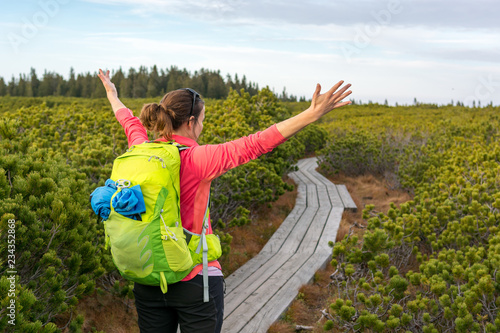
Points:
(153, 250)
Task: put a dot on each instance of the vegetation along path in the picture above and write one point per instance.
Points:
(261, 290)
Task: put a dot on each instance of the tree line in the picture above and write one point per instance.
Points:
(136, 83)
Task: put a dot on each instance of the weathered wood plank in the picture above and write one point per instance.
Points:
(272, 246)
(281, 235)
(346, 198)
(282, 297)
(255, 281)
(244, 314)
(312, 196)
(330, 230)
(318, 179)
(299, 230)
(321, 188)
(239, 276)
(310, 241)
(334, 195)
(259, 267)
(307, 163)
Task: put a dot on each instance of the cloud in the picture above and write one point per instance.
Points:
(445, 13)
(492, 56)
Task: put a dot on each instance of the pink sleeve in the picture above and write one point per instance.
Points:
(135, 132)
(210, 161)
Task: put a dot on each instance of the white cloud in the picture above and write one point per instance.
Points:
(430, 13)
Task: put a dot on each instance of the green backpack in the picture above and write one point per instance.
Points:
(154, 251)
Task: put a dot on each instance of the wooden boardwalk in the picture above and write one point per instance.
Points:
(262, 289)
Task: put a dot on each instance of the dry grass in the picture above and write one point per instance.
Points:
(306, 309)
(366, 190)
(281, 327)
(104, 313)
(248, 240)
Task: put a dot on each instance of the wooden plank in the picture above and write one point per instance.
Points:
(280, 235)
(319, 179)
(245, 280)
(282, 299)
(295, 237)
(272, 246)
(346, 198)
(312, 196)
(301, 194)
(321, 189)
(254, 282)
(282, 295)
(265, 280)
(311, 188)
(257, 278)
(291, 219)
(285, 296)
(238, 277)
(307, 163)
(310, 241)
(330, 230)
(244, 314)
(301, 189)
(334, 195)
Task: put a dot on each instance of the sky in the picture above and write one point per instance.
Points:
(394, 50)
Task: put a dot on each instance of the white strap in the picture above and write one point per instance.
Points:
(205, 267)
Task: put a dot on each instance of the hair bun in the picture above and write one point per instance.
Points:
(160, 108)
(168, 111)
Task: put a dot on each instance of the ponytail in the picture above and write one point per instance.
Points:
(155, 118)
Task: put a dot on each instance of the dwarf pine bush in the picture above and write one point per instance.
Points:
(430, 265)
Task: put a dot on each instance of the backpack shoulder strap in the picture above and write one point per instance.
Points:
(172, 142)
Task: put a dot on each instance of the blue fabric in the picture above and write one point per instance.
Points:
(100, 198)
(129, 201)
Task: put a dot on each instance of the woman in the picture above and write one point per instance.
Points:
(179, 116)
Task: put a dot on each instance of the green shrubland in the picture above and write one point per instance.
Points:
(431, 264)
(428, 265)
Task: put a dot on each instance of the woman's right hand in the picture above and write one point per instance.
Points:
(321, 104)
(108, 85)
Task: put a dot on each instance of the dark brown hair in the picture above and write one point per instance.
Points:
(173, 111)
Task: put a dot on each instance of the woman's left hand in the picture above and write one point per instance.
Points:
(108, 85)
(111, 92)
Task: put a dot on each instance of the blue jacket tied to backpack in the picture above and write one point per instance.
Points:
(129, 201)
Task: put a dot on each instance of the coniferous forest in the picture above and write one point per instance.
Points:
(134, 83)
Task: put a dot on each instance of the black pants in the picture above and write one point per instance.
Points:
(182, 304)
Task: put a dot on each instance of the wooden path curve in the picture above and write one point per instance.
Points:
(262, 289)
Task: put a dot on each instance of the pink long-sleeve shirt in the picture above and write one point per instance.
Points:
(202, 164)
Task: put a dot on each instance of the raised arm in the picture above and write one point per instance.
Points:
(111, 92)
(321, 104)
(135, 132)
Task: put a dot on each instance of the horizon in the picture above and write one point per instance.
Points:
(395, 50)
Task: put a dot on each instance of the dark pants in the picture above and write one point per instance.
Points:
(182, 304)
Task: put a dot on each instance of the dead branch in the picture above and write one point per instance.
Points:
(326, 315)
(299, 328)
